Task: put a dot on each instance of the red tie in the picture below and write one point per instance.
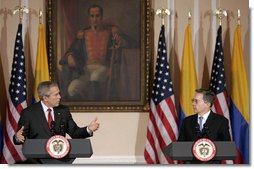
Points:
(49, 117)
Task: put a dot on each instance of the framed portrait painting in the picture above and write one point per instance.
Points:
(99, 53)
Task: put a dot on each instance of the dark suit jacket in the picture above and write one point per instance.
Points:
(216, 128)
(36, 126)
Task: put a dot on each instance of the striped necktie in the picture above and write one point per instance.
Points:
(201, 123)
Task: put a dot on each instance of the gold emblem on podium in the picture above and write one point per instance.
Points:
(58, 146)
(204, 149)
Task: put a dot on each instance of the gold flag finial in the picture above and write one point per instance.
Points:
(220, 14)
(40, 16)
(189, 17)
(21, 11)
(238, 17)
(162, 13)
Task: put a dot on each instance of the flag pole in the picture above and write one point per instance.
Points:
(162, 13)
(21, 10)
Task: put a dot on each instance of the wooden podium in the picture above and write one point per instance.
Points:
(36, 149)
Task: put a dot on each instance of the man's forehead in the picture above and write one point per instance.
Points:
(54, 89)
(198, 95)
(95, 10)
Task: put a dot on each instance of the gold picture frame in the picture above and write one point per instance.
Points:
(126, 85)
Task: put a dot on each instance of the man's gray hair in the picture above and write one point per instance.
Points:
(208, 95)
(43, 88)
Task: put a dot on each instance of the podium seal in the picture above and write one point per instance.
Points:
(58, 146)
(204, 149)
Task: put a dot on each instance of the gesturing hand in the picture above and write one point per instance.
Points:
(20, 136)
(94, 125)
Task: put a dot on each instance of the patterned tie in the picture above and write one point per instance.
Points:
(49, 117)
(201, 123)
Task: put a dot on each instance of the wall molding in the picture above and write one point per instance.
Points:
(111, 160)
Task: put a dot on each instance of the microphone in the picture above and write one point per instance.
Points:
(198, 132)
(53, 128)
(62, 128)
(206, 131)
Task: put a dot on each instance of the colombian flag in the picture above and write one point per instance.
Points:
(239, 103)
(188, 77)
(41, 69)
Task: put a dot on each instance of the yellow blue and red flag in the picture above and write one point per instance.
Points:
(188, 77)
(42, 68)
(240, 101)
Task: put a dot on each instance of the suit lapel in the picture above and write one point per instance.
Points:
(42, 119)
(57, 116)
(209, 119)
(194, 123)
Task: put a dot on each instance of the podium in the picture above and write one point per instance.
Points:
(36, 148)
(225, 150)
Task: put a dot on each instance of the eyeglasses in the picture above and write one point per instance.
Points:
(196, 101)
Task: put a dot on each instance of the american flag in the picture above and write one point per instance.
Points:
(163, 122)
(16, 102)
(218, 81)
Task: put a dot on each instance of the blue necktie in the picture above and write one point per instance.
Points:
(201, 123)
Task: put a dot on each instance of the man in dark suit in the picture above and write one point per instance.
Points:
(47, 117)
(205, 123)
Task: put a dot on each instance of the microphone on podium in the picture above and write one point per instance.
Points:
(206, 131)
(198, 132)
(62, 128)
(53, 128)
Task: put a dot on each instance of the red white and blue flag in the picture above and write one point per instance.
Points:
(218, 79)
(218, 82)
(163, 122)
(16, 102)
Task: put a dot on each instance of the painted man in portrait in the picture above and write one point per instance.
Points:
(90, 68)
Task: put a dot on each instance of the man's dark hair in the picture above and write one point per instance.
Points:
(96, 6)
(208, 95)
(44, 87)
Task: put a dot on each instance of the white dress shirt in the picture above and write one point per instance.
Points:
(45, 110)
(205, 116)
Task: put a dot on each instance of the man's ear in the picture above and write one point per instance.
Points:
(45, 98)
(208, 104)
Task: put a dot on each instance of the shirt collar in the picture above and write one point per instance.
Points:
(45, 108)
(205, 116)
